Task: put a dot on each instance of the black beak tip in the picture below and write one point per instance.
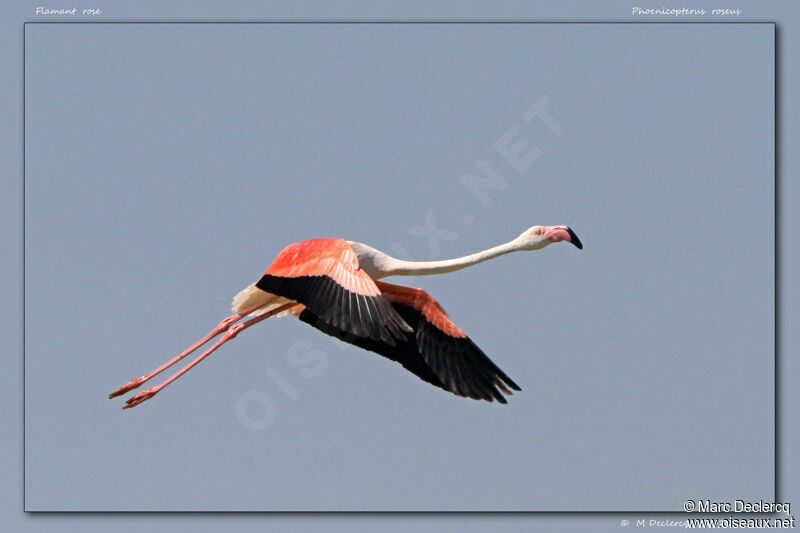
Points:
(574, 239)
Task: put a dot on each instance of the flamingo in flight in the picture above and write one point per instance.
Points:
(333, 285)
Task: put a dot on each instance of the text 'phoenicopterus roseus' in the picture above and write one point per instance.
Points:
(332, 284)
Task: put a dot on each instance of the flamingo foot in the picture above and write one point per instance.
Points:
(133, 401)
(129, 386)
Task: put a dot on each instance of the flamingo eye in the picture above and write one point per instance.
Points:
(539, 231)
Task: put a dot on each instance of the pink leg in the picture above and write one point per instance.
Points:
(231, 333)
(223, 326)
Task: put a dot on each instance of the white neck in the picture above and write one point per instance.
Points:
(389, 266)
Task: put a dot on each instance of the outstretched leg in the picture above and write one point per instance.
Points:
(221, 328)
(231, 333)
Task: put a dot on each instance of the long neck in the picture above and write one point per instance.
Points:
(397, 267)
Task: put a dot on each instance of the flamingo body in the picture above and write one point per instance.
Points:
(340, 299)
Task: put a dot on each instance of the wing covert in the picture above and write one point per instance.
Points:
(324, 275)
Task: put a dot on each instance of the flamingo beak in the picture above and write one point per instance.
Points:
(574, 239)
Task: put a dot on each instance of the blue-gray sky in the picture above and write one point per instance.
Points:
(166, 165)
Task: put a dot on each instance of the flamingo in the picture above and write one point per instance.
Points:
(334, 285)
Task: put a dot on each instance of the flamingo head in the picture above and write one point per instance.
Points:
(537, 237)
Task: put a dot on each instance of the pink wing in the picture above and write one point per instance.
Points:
(324, 275)
(439, 352)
